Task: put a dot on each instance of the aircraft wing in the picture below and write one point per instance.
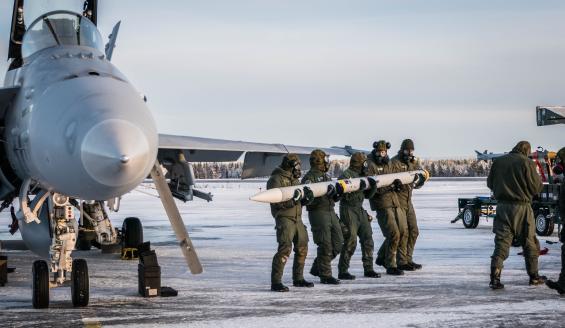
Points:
(260, 158)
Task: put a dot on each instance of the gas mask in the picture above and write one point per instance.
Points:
(296, 169)
(382, 157)
(364, 169)
(408, 156)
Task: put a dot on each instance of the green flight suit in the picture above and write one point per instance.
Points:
(355, 223)
(514, 181)
(407, 244)
(324, 222)
(390, 217)
(290, 229)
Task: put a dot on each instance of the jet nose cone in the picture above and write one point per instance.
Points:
(115, 152)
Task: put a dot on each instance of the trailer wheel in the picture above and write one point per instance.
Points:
(470, 217)
(544, 225)
(40, 285)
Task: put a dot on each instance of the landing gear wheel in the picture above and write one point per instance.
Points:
(470, 217)
(40, 285)
(544, 225)
(132, 233)
(80, 285)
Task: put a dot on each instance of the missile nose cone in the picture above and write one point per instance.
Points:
(115, 152)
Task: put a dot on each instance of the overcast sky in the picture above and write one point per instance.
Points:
(453, 75)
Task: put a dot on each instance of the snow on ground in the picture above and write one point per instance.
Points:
(236, 241)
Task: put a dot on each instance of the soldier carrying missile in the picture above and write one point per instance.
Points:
(405, 161)
(289, 226)
(390, 217)
(355, 221)
(324, 222)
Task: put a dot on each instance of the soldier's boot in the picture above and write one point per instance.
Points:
(346, 276)
(329, 280)
(558, 285)
(372, 274)
(279, 287)
(536, 279)
(394, 272)
(416, 265)
(302, 283)
(407, 267)
(495, 278)
(315, 270)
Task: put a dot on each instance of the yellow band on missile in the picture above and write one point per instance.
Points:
(342, 184)
(426, 175)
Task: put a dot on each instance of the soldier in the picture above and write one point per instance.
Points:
(405, 161)
(289, 226)
(514, 181)
(356, 221)
(558, 170)
(326, 229)
(391, 219)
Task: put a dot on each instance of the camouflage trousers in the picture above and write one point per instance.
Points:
(515, 220)
(407, 244)
(290, 231)
(355, 223)
(327, 235)
(393, 225)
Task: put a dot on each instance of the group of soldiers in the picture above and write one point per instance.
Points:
(513, 179)
(335, 235)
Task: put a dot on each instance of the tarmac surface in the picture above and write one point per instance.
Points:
(235, 240)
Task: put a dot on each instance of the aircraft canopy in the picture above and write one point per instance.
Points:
(61, 28)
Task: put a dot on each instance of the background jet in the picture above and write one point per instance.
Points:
(549, 115)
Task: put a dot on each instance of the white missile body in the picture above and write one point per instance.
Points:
(277, 195)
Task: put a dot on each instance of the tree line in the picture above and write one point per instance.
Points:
(437, 168)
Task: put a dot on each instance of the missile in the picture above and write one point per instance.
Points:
(277, 195)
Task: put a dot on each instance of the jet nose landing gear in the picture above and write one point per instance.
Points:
(80, 284)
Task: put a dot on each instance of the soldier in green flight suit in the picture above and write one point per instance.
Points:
(514, 181)
(289, 226)
(389, 215)
(326, 229)
(356, 221)
(405, 161)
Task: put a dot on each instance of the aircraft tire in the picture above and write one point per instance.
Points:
(40, 285)
(132, 233)
(80, 284)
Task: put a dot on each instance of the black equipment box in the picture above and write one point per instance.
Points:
(149, 280)
(3, 270)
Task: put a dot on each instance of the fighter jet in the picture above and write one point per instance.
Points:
(549, 115)
(486, 156)
(77, 135)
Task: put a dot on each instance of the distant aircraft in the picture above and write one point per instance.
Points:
(549, 115)
(76, 136)
(486, 156)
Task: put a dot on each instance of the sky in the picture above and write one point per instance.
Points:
(452, 75)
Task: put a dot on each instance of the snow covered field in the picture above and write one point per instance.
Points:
(236, 241)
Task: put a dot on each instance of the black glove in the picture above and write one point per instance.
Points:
(331, 191)
(419, 181)
(372, 182)
(397, 185)
(307, 196)
(339, 188)
(362, 185)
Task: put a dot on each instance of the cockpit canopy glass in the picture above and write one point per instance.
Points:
(60, 28)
